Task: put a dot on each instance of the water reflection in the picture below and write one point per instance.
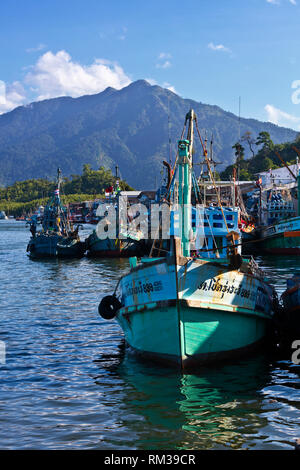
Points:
(219, 407)
(279, 268)
(68, 382)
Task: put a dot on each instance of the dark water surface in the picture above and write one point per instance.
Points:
(69, 384)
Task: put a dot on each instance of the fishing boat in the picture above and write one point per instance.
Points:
(282, 238)
(113, 247)
(202, 302)
(123, 243)
(280, 228)
(57, 238)
(277, 207)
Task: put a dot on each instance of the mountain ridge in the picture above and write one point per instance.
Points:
(128, 127)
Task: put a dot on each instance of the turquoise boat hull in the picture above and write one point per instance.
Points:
(282, 238)
(201, 336)
(214, 313)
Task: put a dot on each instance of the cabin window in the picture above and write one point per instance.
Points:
(217, 225)
(219, 243)
(229, 217)
(217, 216)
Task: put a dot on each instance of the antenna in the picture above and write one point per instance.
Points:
(239, 118)
(169, 134)
(239, 148)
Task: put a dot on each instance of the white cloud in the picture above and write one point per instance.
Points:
(164, 65)
(218, 47)
(151, 81)
(2, 93)
(163, 61)
(164, 55)
(11, 96)
(38, 48)
(277, 2)
(281, 118)
(57, 75)
(166, 85)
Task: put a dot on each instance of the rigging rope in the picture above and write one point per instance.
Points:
(212, 177)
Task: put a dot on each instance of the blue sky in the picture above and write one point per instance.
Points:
(212, 51)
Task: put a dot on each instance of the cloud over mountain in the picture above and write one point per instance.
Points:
(56, 74)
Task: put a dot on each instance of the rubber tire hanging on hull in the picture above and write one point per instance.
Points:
(109, 306)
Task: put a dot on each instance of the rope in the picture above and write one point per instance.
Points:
(242, 243)
(212, 178)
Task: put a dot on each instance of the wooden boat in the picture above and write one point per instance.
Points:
(121, 245)
(282, 238)
(278, 213)
(113, 248)
(57, 238)
(195, 305)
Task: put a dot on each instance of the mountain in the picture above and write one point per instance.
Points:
(128, 127)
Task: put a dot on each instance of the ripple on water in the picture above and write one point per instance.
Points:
(68, 381)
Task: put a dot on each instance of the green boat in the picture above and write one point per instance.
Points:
(282, 238)
(279, 218)
(200, 303)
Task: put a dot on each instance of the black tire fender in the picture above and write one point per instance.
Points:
(109, 306)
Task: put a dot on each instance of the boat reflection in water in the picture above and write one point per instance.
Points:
(217, 408)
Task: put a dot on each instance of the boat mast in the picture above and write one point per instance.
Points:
(61, 220)
(185, 159)
(57, 192)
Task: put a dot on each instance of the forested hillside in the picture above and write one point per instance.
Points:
(130, 127)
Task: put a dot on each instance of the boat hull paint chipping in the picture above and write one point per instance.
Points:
(217, 313)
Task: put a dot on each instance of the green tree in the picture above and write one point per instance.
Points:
(23, 196)
(265, 140)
